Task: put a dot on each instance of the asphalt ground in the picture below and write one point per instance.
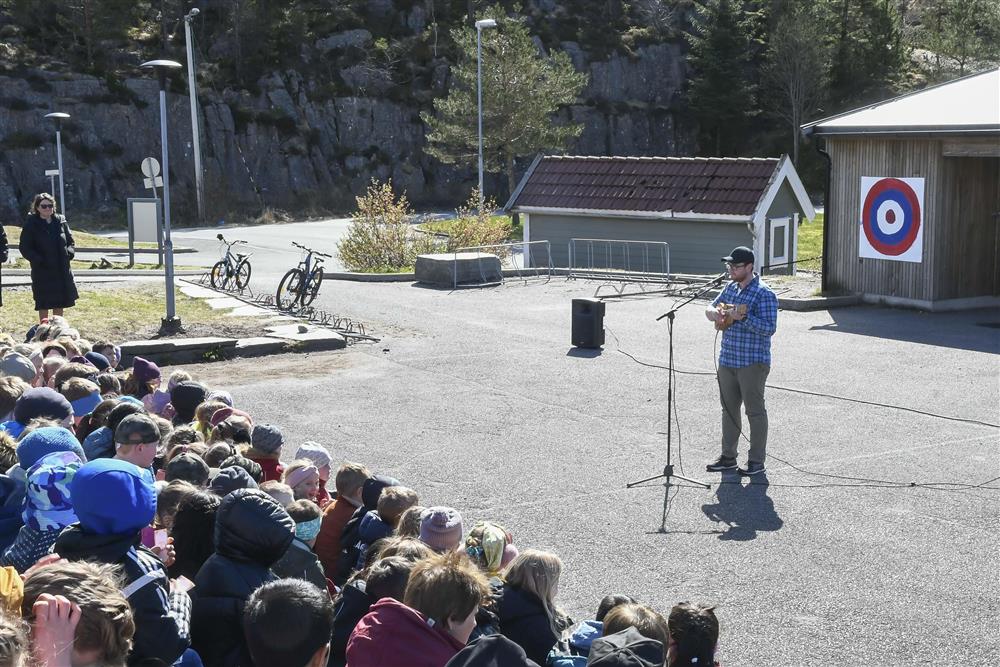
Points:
(476, 399)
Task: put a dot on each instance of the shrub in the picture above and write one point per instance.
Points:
(478, 227)
(380, 238)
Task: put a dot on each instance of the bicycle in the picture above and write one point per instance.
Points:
(301, 284)
(231, 268)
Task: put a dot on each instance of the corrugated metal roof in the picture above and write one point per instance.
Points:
(969, 104)
(711, 186)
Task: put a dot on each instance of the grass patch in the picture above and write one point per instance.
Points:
(117, 314)
(89, 265)
(82, 239)
(811, 243)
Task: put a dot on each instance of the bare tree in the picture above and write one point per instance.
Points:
(796, 70)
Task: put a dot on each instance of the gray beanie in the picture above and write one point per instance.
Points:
(18, 365)
(267, 439)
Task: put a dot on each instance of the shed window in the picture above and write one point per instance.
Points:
(779, 242)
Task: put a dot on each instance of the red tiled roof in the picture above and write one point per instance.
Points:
(730, 186)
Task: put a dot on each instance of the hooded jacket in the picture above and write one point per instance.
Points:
(252, 531)
(350, 607)
(492, 651)
(161, 617)
(575, 653)
(351, 535)
(371, 529)
(299, 562)
(12, 491)
(392, 634)
(627, 648)
(523, 620)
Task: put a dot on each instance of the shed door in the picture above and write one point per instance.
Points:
(780, 247)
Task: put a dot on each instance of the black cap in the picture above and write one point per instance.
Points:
(740, 255)
(137, 430)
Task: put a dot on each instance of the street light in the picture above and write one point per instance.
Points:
(59, 117)
(481, 25)
(193, 97)
(163, 67)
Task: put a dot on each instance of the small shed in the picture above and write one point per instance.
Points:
(913, 209)
(700, 207)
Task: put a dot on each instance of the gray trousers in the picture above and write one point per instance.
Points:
(744, 386)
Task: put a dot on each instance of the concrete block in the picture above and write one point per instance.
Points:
(260, 346)
(314, 340)
(205, 342)
(445, 269)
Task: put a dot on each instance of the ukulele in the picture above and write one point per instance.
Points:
(728, 310)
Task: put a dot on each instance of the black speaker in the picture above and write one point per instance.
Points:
(588, 323)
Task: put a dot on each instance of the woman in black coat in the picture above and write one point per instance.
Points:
(3, 255)
(47, 244)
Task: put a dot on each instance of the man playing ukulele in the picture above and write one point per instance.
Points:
(747, 314)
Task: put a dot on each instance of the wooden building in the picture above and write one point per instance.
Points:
(700, 207)
(913, 212)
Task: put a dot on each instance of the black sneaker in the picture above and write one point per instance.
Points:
(721, 463)
(752, 468)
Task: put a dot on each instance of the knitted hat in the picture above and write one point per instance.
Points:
(98, 360)
(222, 414)
(315, 452)
(42, 402)
(188, 467)
(137, 429)
(84, 405)
(112, 497)
(47, 504)
(441, 528)
(44, 441)
(230, 479)
(18, 365)
(80, 359)
(220, 395)
(144, 370)
(185, 397)
(266, 438)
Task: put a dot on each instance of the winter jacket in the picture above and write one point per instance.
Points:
(351, 535)
(627, 648)
(327, 546)
(299, 562)
(523, 620)
(252, 532)
(371, 529)
(492, 651)
(350, 607)
(573, 653)
(48, 247)
(392, 634)
(271, 469)
(161, 616)
(12, 490)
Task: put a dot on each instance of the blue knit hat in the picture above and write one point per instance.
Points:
(98, 360)
(42, 402)
(46, 440)
(112, 497)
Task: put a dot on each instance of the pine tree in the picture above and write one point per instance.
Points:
(721, 92)
(869, 55)
(522, 90)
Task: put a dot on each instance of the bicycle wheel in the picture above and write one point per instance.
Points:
(219, 276)
(312, 288)
(242, 276)
(289, 289)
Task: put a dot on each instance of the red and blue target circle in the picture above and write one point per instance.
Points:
(887, 200)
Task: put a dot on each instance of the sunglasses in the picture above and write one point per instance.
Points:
(46, 206)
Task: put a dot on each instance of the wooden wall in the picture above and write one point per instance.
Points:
(960, 232)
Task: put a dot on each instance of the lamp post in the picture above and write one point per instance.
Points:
(59, 117)
(163, 67)
(193, 97)
(480, 26)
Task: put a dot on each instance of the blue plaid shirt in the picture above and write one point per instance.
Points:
(748, 341)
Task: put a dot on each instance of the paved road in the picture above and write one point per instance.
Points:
(475, 399)
(271, 246)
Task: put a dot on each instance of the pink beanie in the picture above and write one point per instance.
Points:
(509, 553)
(441, 528)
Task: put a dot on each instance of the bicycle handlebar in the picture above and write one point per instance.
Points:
(310, 250)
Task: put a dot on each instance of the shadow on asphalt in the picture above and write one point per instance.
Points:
(584, 353)
(973, 330)
(744, 507)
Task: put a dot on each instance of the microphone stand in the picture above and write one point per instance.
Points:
(668, 470)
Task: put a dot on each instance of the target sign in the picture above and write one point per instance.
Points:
(892, 224)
